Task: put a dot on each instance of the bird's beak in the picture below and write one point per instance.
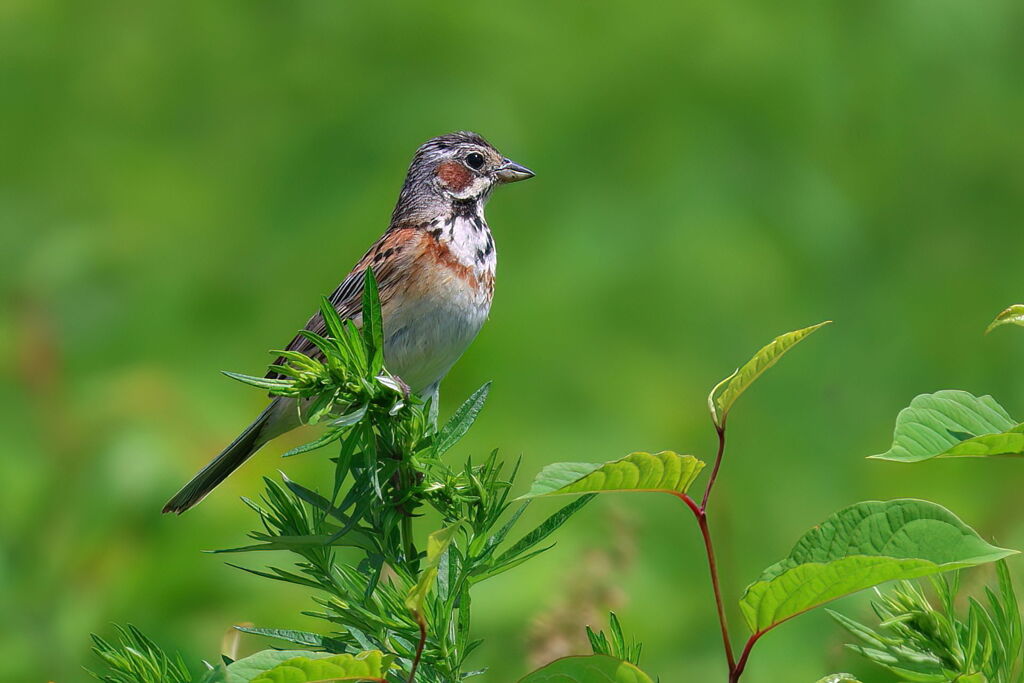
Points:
(510, 172)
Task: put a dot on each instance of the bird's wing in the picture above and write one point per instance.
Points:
(390, 257)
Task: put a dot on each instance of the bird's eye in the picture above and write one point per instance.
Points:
(475, 160)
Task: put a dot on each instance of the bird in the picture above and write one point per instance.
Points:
(435, 266)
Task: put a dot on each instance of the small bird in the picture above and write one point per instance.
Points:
(435, 269)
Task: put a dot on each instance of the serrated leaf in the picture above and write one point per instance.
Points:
(733, 386)
(666, 471)
(953, 423)
(861, 546)
(461, 420)
(437, 544)
(1014, 315)
(588, 669)
(366, 666)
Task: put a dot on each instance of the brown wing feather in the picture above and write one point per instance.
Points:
(390, 257)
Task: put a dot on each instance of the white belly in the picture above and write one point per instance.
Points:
(424, 336)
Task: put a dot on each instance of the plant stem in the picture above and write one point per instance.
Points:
(720, 429)
(702, 522)
(408, 543)
(419, 647)
(737, 670)
(700, 512)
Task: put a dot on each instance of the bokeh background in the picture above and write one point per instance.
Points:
(180, 182)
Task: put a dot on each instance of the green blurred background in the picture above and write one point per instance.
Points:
(181, 182)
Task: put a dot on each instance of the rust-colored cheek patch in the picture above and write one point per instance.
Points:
(454, 175)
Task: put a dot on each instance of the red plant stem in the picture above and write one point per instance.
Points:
(419, 646)
(737, 670)
(720, 428)
(702, 522)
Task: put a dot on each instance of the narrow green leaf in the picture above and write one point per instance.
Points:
(319, 408)
(665, 472)
(325, 345)
(461, 420)
(352, 539)
(332, 322)
(328, 437)
(1014, 315)
(373, 331)
(315, 499)
(297, 637)
(858, 630)
(299, 359)
(741, 380)
(515, 554)
(953, 423)
(588, 669)
(277, 574)
(862, 546)
(351, 418)
(437, 544)
(499, 536)
(261, 382)
(136, 658)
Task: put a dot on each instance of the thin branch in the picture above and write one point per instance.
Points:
(419, 646)
(702, 522)
(737, 670)
(720, 429)
(689, 503)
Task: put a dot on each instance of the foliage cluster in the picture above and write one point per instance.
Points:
(399, 610)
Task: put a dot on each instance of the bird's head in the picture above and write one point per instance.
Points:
(456, 168)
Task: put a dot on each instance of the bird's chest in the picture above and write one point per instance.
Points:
(446, 300)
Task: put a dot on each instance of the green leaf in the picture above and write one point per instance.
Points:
(862, 546)
(614, 643)
(516, 555)
(137, 659)
(666, 472)
(740, 381)
(298, 637)
(461, 420)
(373, 331)
(838, 678)
(261, 382)
(1014, 315)
(351, 418)
(246, 669)
(352, 539)
(588, 669)
(366, 666)
(332, 321)
(328, 437)
(954, 423)
(437, 544)
(215, 674)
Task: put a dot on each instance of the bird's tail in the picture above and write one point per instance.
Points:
(230, 459)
